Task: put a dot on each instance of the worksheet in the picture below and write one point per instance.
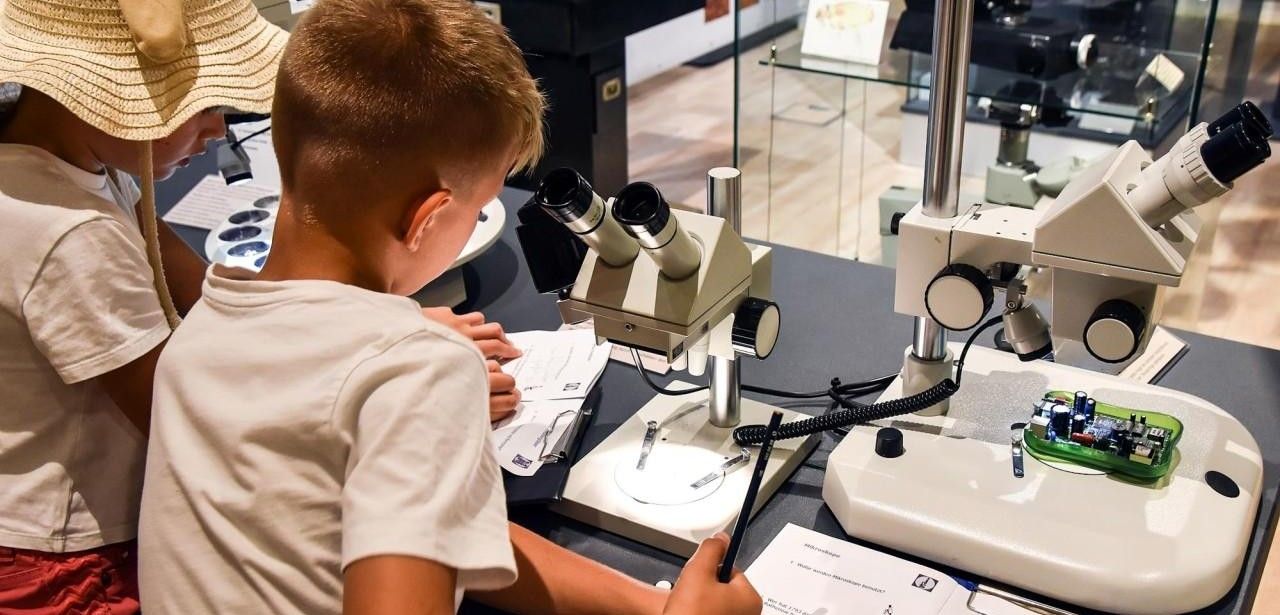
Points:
(521, 440)
(209, 203)
(803, 572)
(557, 364)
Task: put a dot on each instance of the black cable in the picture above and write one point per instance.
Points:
(856, 412)
(869, 386)
(965, 351)
(237, 144)
(635, 356)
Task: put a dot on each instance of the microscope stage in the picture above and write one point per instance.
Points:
(1072, 533)
(607, 491)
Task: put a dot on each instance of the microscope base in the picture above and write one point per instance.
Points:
(593, 494)
(1066, 532)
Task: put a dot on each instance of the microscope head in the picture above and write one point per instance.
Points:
(1125, 227)
(1120, 230)
(652, 277)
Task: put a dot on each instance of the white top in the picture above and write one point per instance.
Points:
(302, 425)
(76, 301)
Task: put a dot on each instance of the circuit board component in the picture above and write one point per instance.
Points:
(1075, 427)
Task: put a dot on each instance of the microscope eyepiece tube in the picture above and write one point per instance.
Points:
(645, 215)
(1201, 165)
(1234, 150)
(568, 198)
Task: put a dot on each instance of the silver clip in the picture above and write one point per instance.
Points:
(650, 434)
(1016, 448)
(742, 458)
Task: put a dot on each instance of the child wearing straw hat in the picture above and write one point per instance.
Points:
(97, 90)
(345, 467)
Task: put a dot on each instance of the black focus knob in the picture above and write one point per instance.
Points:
(1114, 332)
(959, 297)
(755, 327)
(889, 442)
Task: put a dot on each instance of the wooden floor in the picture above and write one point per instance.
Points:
(813, 175)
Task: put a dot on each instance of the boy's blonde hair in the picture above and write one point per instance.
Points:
(379, 100)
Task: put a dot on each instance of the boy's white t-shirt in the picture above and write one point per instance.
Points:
(302, 425)
(76, 301)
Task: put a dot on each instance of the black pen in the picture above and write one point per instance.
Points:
(753, 489)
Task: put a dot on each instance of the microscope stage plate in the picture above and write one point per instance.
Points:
(593, 496)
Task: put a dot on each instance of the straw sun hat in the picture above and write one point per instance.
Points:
(138, 69)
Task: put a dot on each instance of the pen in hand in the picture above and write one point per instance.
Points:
(725, 571)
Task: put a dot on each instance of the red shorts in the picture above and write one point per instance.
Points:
(101, 581)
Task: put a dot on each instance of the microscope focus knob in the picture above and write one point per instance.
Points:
(959, 296)
(1114, 332)
(755, 327)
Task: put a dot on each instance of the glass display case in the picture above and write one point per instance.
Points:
(832, 149)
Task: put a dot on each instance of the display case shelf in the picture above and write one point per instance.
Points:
(1070, 93)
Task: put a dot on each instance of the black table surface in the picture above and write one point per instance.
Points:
(838, 321)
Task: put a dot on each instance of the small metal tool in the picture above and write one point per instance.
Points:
(650, 434)
(724, 468)
(1015, 431)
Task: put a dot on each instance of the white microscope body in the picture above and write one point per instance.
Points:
(1118, 232)
(671, 475)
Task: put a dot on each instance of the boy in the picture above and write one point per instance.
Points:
(318, 446)
(95, 92)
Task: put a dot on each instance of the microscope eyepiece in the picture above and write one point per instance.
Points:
(642, 212)
(565, 195)
(645, 215)
(1247, 113)
(1235, 150)
(568, 198)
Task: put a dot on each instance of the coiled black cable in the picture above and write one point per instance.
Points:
(755, 434)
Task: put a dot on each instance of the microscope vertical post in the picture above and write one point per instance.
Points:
(724, 199)
(948, 96)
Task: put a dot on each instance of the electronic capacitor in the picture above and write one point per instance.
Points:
(1077, 424)
(1061, 421)
(1078, 402)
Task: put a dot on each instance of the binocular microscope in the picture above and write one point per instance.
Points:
(1137, 499)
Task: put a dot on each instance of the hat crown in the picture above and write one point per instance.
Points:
(131, 69)
(160, 29)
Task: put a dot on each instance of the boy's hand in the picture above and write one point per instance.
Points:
(489, 336)
(698, 591)
(503, 394)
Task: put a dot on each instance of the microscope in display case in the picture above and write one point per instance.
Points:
(965, 491)
(686, 287)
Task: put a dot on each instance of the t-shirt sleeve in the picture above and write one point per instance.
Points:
(92, 306)
(421, 479)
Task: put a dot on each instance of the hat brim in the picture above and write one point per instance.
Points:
(127, 96)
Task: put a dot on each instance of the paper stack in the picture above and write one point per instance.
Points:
(554, 375)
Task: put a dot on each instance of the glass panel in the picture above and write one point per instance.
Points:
(830, 147)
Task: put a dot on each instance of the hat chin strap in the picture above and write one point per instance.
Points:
(151, 235)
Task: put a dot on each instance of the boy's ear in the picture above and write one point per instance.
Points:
(419, 217)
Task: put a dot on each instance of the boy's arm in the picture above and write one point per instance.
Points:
(398, 585)
(129, 386)
(556, 581)
(183, 268)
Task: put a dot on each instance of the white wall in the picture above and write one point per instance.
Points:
(668, 45)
